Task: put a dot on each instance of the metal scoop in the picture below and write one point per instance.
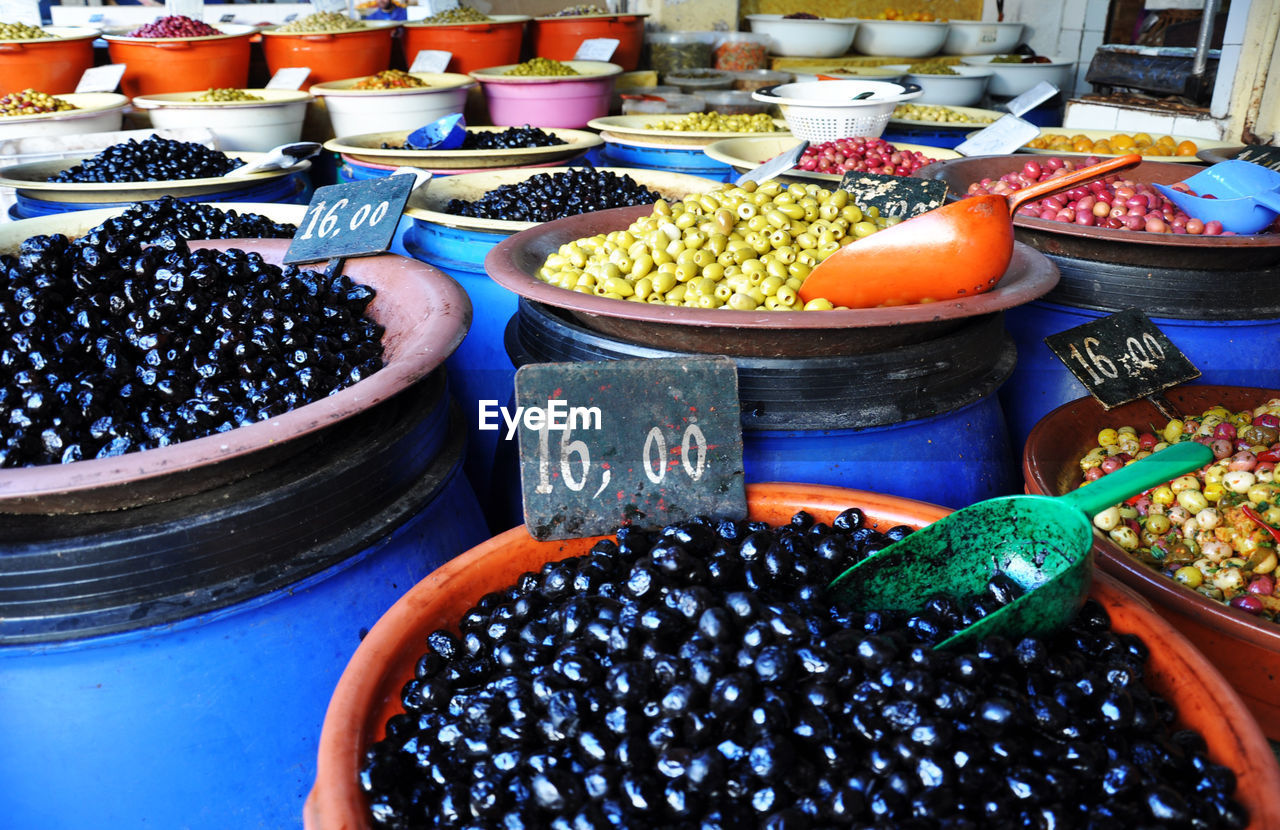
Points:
(279, 158)
(1040, 543)
(1246, 196)
(953, 251)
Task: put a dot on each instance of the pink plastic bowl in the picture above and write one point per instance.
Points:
(552, 101)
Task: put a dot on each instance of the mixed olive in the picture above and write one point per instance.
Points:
(743, 248)
(391, 79)
(549, 196)
(454, 16)
(153, 159)
(124, 339)
(864, 155)
(699, 678)
(1212, 530)
(31, 102)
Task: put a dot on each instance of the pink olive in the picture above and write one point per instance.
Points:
(1111, 464)
(1226, 430)
(1243, 460)
(1264, 585)
(1221, 447)
(1247, 603)
(1268, 420)
(1093, 474)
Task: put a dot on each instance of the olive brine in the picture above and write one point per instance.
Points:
(700, 678)
(110, 345)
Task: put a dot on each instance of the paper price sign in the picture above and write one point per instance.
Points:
(20, 11)
(1122, 358)
(431, 60)
(350, 220)
(193, 9)
(596, 49)
(1001, 138)
(338, 6)
(289, 77)
(1032, 98)
(101, 78)
(643, 442)
(437, 6)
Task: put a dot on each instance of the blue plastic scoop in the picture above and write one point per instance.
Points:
(444, 134)
(1246, 196)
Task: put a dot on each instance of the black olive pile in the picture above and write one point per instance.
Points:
(549, 196)
(108, 345)
(699, 678)
(153, 159)
(192, 220)
(512, 138)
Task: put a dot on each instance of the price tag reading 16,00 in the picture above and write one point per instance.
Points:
(642, 442)
(1122, 358)
(349, 220)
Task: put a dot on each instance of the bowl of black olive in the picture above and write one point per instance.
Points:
(482, 148)
(144, 371)
(697, 676)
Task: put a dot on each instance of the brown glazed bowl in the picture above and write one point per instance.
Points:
(369, 690)
(514, 262)
(1244, 648)
(425, 314)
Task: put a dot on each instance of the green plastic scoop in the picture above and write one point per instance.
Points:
(1039, 542)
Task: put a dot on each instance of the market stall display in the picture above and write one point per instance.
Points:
(368, 695)
(253, 120)
(1240, 643)
(53, 62)
(165, 58)
(355, 110)
(332, 54)
(529, 93)
(472, 44)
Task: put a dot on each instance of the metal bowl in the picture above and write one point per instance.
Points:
(515, 260)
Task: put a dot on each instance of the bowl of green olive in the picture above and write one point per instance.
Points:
(253, 120)
(548, 93)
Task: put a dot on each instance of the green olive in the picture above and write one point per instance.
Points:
(217, 95)
(21, 31)
(321, 22)
(461, 14)
(715, 122)
(541, 67)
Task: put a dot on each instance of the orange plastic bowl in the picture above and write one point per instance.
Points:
(369, 691)
(473, 45)
(558, 38)
(52, 66)
(332, 56)
(1245, 649)
(155, 65)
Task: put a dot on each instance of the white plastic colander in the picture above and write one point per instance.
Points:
(826, 110)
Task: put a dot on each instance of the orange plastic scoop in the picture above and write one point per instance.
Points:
(956, 250)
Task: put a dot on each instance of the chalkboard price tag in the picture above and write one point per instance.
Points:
(289, 77)
(596, 49)
(894, 195)
(626, 442)
(103, 78)
(1000, 138)
(227, 18)
(350, 220)
(775, 166)
(1263, 154)
(1122, 358)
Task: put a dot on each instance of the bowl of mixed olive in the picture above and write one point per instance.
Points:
(1190, 546)
(30, 112)
(946, 83)
(392, 100)
(241, 119)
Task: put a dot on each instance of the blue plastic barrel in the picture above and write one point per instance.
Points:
(294, 189)
(690, 160)
(1227, 352)
(920, 421)
(479, 369)
(199, 704)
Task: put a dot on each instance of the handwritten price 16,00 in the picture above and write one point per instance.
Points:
(1140, 354)
(653, 459)
(329, 224)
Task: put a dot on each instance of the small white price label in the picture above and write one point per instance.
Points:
(596, 49)
(338, 6)
(431, 60)
(193, 9)
(20, 11)
(289, 77)
(101, 78)
(1032, 98)
(1000, 138)
(437, 6)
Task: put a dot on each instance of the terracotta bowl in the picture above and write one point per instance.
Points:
(1245, 649)
(369, 691)
(425, 314)
(515, 260)
(1207, 253)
